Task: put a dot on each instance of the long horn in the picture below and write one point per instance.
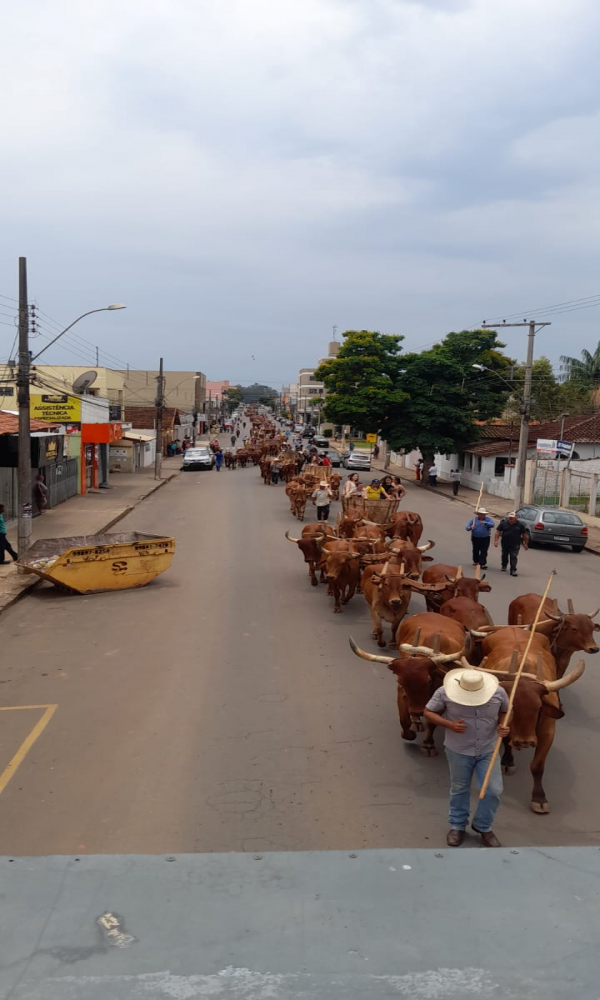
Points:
(478, 633)
(594, 615)
(363, 520)
(406, 647)
(567, 679)
(555, 618)
(369, 656)
(291, 539)
(436, 643)
(570, 607)
(478, 572)
(459, 573)
(425, 548)
(327, 551)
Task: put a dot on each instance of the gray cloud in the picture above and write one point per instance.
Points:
(245, 175)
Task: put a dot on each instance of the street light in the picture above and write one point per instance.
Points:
(116, 305)
(482, 368)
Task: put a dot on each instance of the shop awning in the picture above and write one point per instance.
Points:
(138, 436)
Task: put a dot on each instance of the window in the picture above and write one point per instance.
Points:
(479, 460)
(499, 466)
(311, 378)
(558, 517)
(526, 513)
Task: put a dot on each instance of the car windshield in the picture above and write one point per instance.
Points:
(196, 452)
(559, 517)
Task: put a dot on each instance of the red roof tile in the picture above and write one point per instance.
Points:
(9, 424)
(145, 416)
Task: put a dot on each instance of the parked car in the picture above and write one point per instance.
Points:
(308, 432)
(549, 525)
(198, 458)
(334, 457)
(358, 460)
(322, 443)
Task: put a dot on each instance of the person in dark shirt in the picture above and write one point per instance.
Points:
(513, 534)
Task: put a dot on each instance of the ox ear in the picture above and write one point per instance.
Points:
(486, 587)
(552, 711)
(427, 558)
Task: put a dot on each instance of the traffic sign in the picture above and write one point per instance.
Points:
(372, 438)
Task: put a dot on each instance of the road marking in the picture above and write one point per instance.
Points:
(29, 740)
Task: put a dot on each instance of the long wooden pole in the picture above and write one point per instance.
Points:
(478, 505)
(515, 685)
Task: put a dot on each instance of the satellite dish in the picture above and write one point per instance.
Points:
(83, 382)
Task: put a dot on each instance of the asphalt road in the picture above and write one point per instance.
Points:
(221, 709)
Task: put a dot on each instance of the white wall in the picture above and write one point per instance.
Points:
(94, 410)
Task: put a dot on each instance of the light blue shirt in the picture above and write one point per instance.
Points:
(481, 529)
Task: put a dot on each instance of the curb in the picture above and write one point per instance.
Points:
(34, 581)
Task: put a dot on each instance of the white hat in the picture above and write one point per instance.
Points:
(470, 687)
(323, 482)
(512, 513)
(481, 510)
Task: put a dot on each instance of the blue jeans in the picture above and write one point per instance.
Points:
(462, 767)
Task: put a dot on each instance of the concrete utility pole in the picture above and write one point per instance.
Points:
(525, 406)
(159, 403)
(25, 512)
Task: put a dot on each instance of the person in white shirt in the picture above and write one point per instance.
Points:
(352, 486)
(433, 474)
(322, 498)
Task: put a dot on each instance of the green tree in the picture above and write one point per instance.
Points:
(362, 382)
(585, 370)
(232, 397)
(482, 368)
(546, 396)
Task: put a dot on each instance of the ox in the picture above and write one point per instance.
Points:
(457, 584)
(413, 557)
(536, 706)
(342, 569)
(349, 522)
(473, 616)
(429, 643)
(310, 546)
(567, 633)
(405, 524)
(387, 591)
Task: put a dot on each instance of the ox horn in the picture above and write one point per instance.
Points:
(406, 647)
(478, 572)
(567, 679)
(555, 618)
(570, 608)
(595, 613)
(327, 551)
(291, 539)
(426, 547)
(369, 656)
(478, 633)
(374, 524)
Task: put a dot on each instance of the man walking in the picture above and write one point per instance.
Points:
(455, 480)
(5, 545)
(480, 527)
(322, 498)
(513, 534)
(218, 460)
(469, 706)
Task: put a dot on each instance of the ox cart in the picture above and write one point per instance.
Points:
(378, 511)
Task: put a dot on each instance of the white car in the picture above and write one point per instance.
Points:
(198, 458)
(358, 460)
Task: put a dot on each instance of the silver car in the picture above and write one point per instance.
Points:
(198, 458)
(358, 460)
(552, 526)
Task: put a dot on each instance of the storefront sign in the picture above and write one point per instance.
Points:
(52, 450)
(565, 448)
(546, 446)
(56, 408)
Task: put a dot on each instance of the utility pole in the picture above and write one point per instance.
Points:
(97, 357)
(25, 492)
(526, 404)
(159, 403)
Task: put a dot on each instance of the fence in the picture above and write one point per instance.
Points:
(8, 492)
(546, 487)
(61, 480)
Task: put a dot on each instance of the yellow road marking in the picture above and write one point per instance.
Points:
(29, 740)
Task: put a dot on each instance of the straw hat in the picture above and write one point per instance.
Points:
(470, 687)
(323, 482)
(481, 510)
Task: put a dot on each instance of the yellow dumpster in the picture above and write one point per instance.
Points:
(86, 564)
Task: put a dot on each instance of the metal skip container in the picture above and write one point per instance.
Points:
(87, 564)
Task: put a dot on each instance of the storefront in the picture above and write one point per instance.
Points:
(95, 442)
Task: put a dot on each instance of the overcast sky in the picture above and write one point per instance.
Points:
(244, 174)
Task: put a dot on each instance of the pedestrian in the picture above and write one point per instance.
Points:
(218, 460)
(455, 480)
(232, 439)
(480, 527)
(326, 460)
(352, 486)
(376, 451)
(42, 494)
(5, 545)
(322, 498)
(351, 446)
(513, 534)
(418, 469)
(275, 471)
(376, 491)
(469, 706)
(433, 474)
(237, 433)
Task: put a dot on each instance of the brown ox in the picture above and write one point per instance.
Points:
(413, 557)
(405, 524)
(536, 706)
(310, 546)
(457, 585)
(334, 482)
(387, 591)
(349, 523)
(427, 645)
(567, 633)
(342, 569)
(473, 616)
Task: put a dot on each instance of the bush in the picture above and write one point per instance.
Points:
(328, 432)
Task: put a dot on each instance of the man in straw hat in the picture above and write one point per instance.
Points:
(322, 497)
(480, 527)
(469, 706)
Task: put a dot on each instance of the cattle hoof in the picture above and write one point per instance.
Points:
(337, 611)
(393, 645)
(541, 808)
(508, 769)
(429, 751)
(381, 643)
(314, 583)
(409, 735)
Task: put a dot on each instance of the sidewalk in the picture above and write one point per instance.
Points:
(96, 512)
(496, 506)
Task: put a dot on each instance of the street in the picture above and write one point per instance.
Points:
(221, 709)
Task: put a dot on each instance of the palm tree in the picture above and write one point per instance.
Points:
(585, 371)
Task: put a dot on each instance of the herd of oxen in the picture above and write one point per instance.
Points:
(384, 564)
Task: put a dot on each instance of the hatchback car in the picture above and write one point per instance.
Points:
(334, 457)
(198, 458)
(358, 460)
(550, 525)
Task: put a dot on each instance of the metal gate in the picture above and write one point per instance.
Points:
(61, 480)
(8, 492)
(546, 490)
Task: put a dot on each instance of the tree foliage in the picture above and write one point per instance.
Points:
(362, 382)
(585, 370)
